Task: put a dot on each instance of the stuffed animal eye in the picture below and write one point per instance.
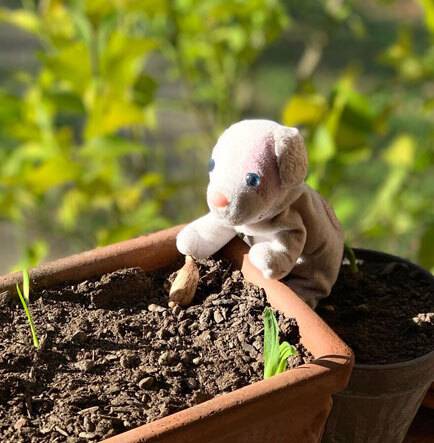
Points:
(253, 179)
(211, 165)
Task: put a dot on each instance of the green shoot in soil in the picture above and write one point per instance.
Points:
(25, 301)
(349, 254)
(275, 354)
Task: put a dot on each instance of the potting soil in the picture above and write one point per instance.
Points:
(385, 312)
(114, 356)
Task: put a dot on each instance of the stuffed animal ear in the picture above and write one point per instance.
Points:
(291, 155)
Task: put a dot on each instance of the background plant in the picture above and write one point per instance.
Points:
(106, 135)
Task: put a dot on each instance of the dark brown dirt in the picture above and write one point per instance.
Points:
(115, 356)
(385, 313)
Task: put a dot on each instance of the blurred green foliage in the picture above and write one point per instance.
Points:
(85, 152)
(73, 157)
(372, 147)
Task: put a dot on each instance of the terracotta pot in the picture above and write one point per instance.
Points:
(380, 401)
(290, 407)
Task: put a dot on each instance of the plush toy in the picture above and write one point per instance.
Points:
(256, 188)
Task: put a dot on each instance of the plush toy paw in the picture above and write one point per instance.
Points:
(188, 242)
(204, 237)
(272, 262)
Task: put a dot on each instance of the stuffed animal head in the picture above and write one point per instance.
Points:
(255, 165)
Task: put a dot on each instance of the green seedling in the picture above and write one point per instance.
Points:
(25, 301)
(349, 254)
(275, 354)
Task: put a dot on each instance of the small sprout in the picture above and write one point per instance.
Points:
(349, 254)
(275, 354)
(25, 301)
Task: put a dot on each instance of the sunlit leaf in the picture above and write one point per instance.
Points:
(382, 207)
(345, 207)
(275, 354)
(57, 22)
(323, 146)
(271, 343)
(128, 197)
(31, 256)
(110, 115)
(428, 6)
(151, 179)
(26, 286)
(401, 152)
(400, 50)
(71, 64)
(285, 351)
(110, 148)
(304, 109)
(52, 173)
(24, 19)
(83, 25)
(73, 203)
(362, 154)
(425, 253)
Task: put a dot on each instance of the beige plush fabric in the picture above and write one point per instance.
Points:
(257, 188)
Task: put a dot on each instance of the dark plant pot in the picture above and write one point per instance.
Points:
(290, 407)
(380, 401)
(428, 401)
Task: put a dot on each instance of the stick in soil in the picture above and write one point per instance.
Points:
(185, 284)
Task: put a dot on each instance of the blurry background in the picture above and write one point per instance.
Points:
(109, 110)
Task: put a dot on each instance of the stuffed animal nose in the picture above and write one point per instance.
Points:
(218, 200)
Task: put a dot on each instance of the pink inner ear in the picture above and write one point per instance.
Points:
(262, 160)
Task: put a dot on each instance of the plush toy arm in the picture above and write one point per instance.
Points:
(203, 237)
(276, 258)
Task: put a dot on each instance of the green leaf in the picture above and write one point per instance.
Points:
(66, 101)
(74, 202)
(110, 114)
(304, 109)
(82, 24)
(271, 343)
(323, 146)
(26, 20)
(275, 355)
(107, 236)
(144, 90)
(358, 112)
(425, 254)
(54, 172)
(24, 299)
(26, 286)
(31, 256)
(428, 6)
(70, 64)
(382, 207)
(401, 152)
(110, 148)
(285, 350)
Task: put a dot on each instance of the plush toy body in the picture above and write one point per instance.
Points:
(257, 189)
